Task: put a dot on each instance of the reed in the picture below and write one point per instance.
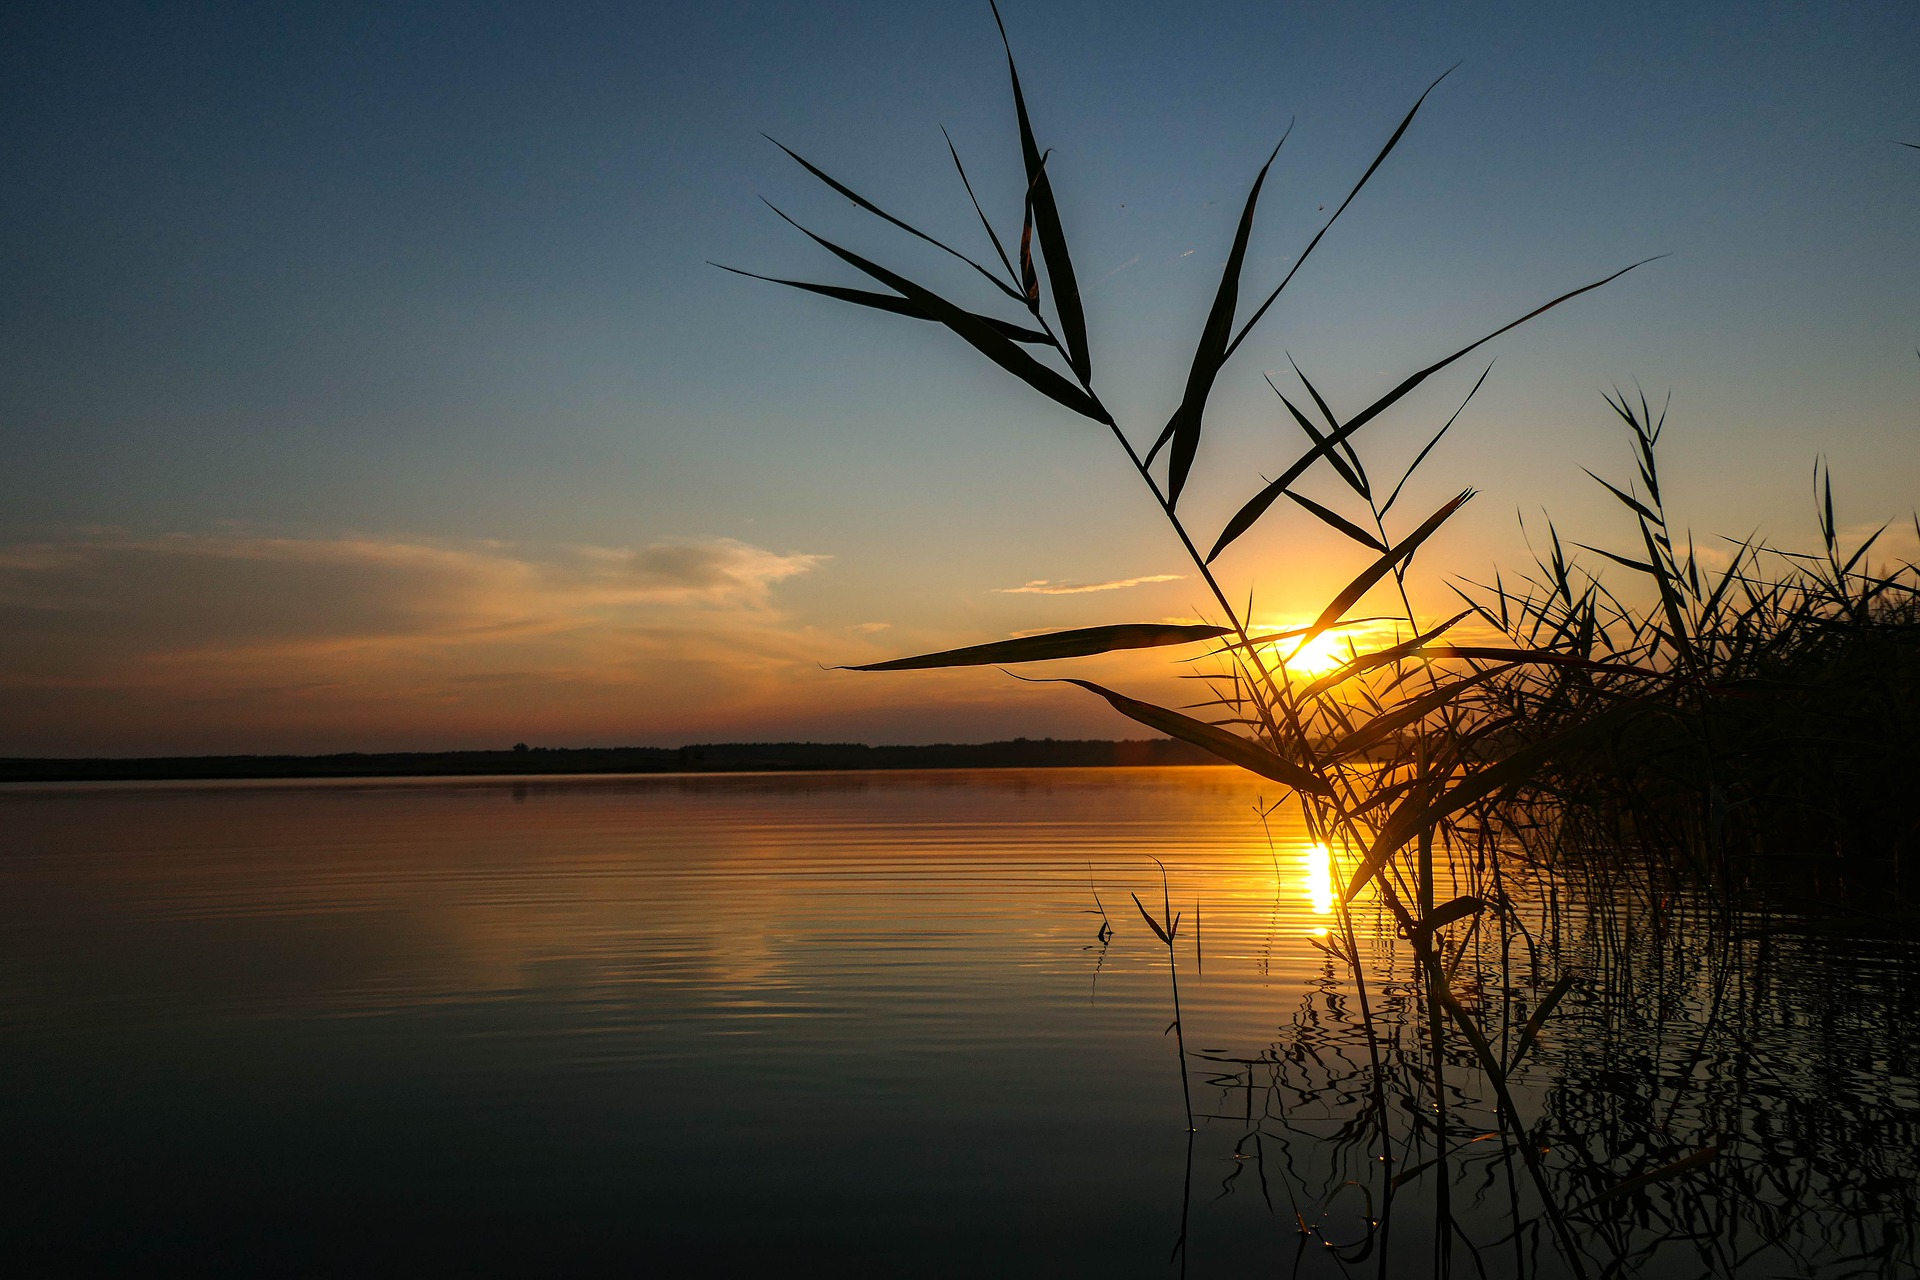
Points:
(1428, 764)
(1782, 693)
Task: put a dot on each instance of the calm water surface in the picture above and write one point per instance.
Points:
(860, 1022)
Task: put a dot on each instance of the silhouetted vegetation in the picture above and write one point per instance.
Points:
(1770, 701)
(1783, 686)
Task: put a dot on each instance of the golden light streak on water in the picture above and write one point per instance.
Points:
(1319, 881)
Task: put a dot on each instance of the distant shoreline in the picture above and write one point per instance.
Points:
(717, 757)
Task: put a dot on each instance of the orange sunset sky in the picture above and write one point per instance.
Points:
(368, 386)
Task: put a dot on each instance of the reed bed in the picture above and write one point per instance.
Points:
(1785, 686)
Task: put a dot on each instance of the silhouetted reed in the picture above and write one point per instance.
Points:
(1783, 691)
(1447, 772)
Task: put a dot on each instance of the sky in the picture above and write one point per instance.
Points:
(367, 386)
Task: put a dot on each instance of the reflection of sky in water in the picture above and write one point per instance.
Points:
(741, 1018)
(815, 996)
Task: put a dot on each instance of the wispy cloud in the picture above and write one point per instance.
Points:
(107, 638)
(1042, 587)
(713, 570)
(123, 594)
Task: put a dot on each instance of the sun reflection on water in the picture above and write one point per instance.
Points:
(1319, 881)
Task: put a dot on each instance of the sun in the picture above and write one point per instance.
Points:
(1322, 654)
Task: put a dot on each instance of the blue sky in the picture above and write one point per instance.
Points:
(418, 294)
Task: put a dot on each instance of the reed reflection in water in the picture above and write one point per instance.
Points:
(865, 1021)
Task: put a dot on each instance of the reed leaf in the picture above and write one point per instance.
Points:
(1351, 593)
(1046, 221)
(1402, 1178)
(1256, 506)
(1416, 813)
(1638, 566)
(889, 303)
(1030, 274)
(1333, 423)
(1159, 443)
(1539, 657)
(1365, 662)
(1409, 712)
(1312, 244)
(1339, 464)
(1383, 795)
(1230, 747)
(1152, 924)
(1079, 643)
(1211, 353)
(882, 214)
(1422, 455)
(1339, 523)
(985, 339)
(1631, 502)
(985, 224)
(1443, 915)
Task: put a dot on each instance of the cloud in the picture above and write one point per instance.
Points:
(118, 639)
(124, 595)
(716, 570)
(1042, 587)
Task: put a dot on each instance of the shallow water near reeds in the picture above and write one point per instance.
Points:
(862, 1023)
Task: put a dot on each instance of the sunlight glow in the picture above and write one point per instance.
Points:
(1321, 655)
(1319, 881)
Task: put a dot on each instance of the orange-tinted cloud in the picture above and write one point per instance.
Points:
(1042, 587)
(119, 644)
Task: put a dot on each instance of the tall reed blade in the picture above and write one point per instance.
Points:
(1531, 1032)
(1211, 353)
(1421, 457)
(882, 214)
(890, 303)
(985, 339)
(1258, 504)
(1338, 463)
(1339, 523)
(1365, 662)
(1421, 810)
(1407, 713)
(1399, 554)
(1046, 220)
(1333, 423)
(1228, 746)
(1078, 643)
(1314, 243)
(985, 225)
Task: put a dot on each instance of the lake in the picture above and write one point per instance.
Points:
(865, 1023)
